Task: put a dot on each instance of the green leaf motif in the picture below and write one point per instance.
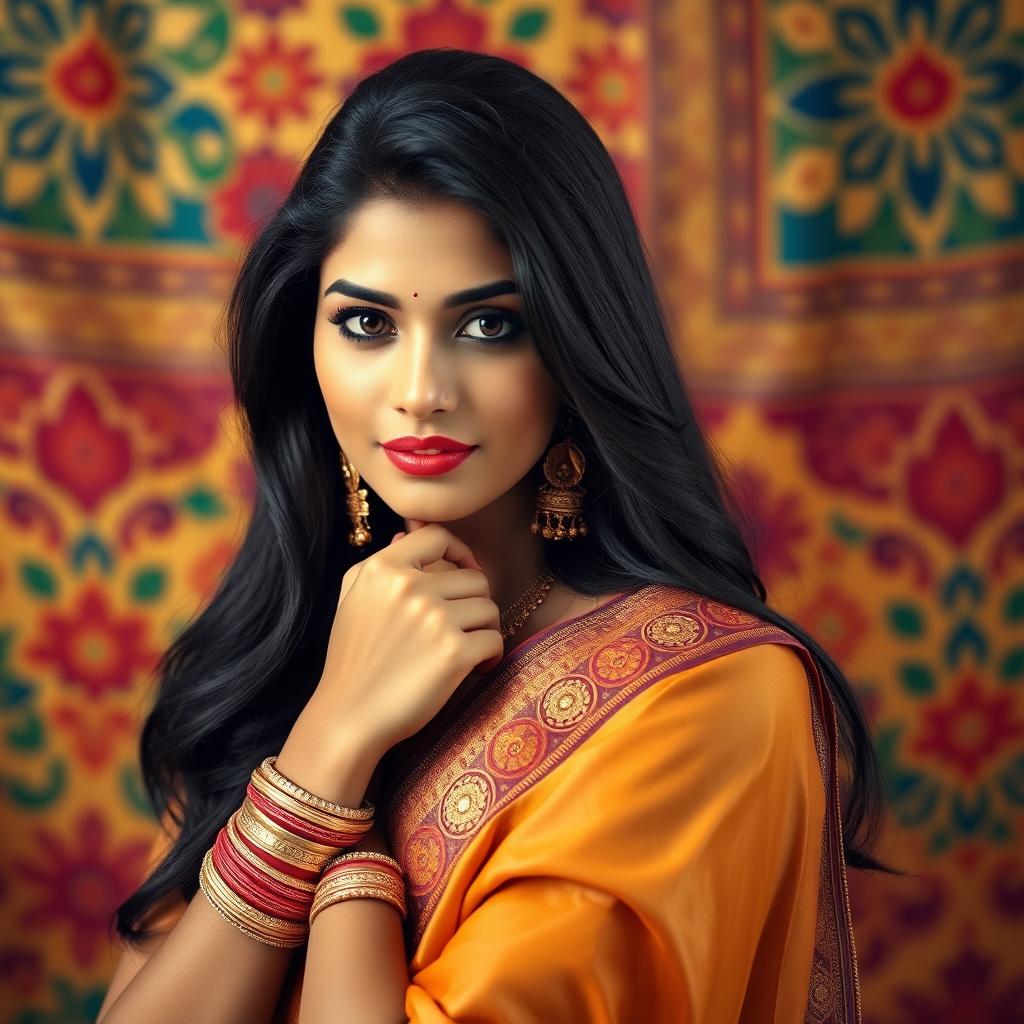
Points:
(1013, 610)
(529, 24)
(917, 678)
(28, 735)
(149, 584)
(906, 620)
(203, 503)
(25, 795)
(360, 21)
(846, 531)
(1012, 668)
(1011, 781)
(38, 579)
(205, 47)
(135, 793)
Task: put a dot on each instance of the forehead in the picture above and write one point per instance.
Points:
(403, 234)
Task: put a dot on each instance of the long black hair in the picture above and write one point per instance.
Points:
(478, 129)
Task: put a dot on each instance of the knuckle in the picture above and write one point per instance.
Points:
(435, 620)
(403, 586)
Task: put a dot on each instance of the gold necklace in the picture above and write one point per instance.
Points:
(514, 617)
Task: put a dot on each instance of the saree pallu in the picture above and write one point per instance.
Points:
(636, 819)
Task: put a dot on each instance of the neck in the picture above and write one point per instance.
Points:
(499, 537)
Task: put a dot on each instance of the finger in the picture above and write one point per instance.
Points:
(484, 647)
(433, 542)
(472, 613)
(456, 583)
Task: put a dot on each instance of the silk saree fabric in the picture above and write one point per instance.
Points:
(636, 818)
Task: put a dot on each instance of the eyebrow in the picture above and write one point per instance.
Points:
(476, 294)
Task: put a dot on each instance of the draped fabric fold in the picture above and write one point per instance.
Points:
(636, 818)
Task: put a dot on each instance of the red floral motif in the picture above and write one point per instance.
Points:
(182, 417)
(971, 729)
(850, 447)
(609, 87)
(968, 993)
(837, 620)
(21, 969)
(772, 523)
(445, 24)
(888, 914)
(261, 182)
(80, 453)
(959, 483)
(94, 734)
(80, 882)
(274, 82)
(615, 11)
(271, 8)
(91, 647)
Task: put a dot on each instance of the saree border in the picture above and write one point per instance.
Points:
(553, 691)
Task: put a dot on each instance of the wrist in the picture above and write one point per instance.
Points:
(332, 761)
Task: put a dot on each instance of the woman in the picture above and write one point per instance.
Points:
(602, 772)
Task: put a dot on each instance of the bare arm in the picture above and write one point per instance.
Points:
(205, 970)
(355, 956)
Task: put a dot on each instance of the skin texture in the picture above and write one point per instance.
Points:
(425, 608)
(419, 377)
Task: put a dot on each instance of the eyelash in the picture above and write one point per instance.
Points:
(339, 316)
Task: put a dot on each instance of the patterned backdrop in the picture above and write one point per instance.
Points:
(833, 196)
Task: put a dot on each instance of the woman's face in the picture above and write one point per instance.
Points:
(423, 359)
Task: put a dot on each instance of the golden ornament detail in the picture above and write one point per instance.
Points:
(514, 617)
(358, 506)
(560, 500)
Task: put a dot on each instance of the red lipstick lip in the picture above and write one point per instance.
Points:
(427, 465)
(410, 443)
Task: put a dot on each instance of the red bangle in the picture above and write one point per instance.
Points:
(301, 828)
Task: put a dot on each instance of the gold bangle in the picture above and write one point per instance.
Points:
(239, 908)
(384, 858)
(362, 813)
(280, 844)
(283, 799)
(383, 883)
(329, 895)
(360, 876)
(246, 919)
(243, 851)
(309, 845)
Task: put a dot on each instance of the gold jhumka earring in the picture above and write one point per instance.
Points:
(558, 508)
(560, 500)
(358, 506)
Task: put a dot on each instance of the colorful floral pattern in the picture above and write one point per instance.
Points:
(833, 196)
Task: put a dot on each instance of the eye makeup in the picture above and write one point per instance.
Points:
(341, 316)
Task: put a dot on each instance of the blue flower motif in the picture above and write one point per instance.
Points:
(86, 103)
(916, 97)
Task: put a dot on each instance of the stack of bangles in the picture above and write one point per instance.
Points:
(278, 862)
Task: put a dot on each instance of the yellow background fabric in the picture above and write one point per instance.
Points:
(851, 329)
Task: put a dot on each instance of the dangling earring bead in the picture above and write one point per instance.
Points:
(559, 501)
(358, 506)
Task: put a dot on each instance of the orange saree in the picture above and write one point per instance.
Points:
(636, 819)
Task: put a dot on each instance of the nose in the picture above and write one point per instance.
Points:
(422, 376)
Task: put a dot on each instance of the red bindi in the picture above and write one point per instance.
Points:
(414, 294)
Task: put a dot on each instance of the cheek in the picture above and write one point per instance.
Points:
(518, 408)
(343, 393)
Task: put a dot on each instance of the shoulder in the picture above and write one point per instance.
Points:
(712, 659)
(744, 703)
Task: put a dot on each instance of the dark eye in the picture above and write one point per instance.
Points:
(491, 326)
(360, 324)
